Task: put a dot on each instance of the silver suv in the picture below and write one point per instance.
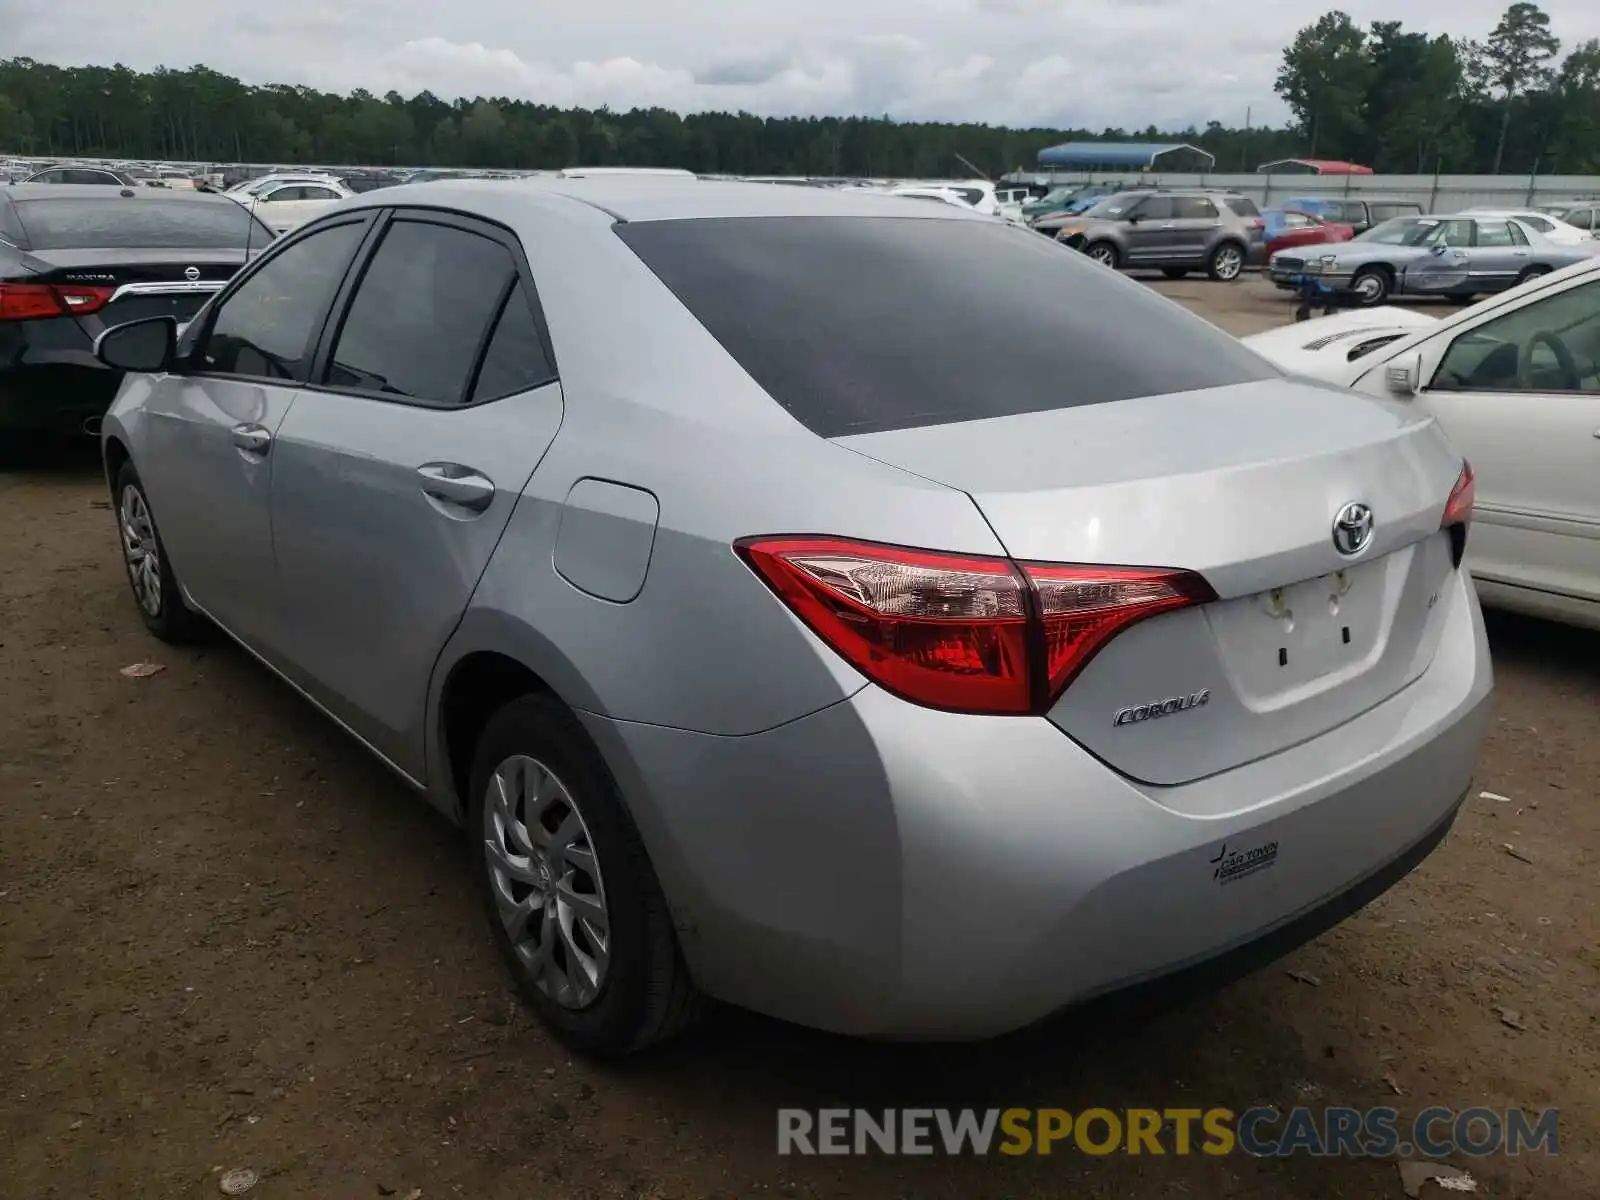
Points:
(1176, 231)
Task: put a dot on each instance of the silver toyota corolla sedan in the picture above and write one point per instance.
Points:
(853, 609)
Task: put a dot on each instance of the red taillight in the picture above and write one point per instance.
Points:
(1458, 509)
(963, 633)
(1458, 512)
(40, 301)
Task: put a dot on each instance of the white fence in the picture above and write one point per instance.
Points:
(1436, 193)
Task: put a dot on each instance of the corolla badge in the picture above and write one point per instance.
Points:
(1352, 529)
(1135, 713)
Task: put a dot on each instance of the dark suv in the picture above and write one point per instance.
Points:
(1176, 230)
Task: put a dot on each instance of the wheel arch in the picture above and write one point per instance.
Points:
(491, 660)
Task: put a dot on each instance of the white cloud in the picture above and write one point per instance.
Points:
(1020, 62)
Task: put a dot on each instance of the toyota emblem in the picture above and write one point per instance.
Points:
(1352, 529)
(191, 273)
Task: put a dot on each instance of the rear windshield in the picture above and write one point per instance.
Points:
(862, 324)
(121, 223)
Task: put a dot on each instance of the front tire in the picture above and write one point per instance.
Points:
(1226, 263)
(1174, 272)
(155, 587)
(1371, 286)
(572, 900)
(1104, 253)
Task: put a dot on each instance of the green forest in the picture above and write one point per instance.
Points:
(1516, 100)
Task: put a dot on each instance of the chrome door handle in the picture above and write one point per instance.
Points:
(455, 484)
(252, 439)
(1168, 225)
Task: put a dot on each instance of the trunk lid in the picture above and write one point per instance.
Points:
(1241, 485)
(144, 283)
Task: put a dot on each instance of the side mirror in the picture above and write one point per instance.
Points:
(149, 345)
(1134, 218)
(1437, 248)
(1404, 376)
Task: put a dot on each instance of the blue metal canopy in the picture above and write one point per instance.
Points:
(1114, 154)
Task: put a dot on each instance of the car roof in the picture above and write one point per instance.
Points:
(660, 198)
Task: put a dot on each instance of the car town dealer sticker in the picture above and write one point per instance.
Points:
(1232, 865)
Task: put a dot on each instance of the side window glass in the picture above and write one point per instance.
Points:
(419, 314)
(515, 360)
(1518, 238)
(318, 193)
(1552, 345)
(267, 327)
(1196, 208)
(1495, 233)
(1452, 233)
(283, 193)
(1157, 208)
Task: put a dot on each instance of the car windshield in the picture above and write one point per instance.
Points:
(815, 309)
(1401, 231)
(116, 223)
(1058, 196)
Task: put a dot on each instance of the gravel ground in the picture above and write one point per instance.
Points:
(229, 939)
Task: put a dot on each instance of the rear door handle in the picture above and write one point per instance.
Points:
(458, 485)
(252, 439)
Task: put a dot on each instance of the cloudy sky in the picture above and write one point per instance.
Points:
(1018, 62)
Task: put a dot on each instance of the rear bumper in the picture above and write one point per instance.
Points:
(884, 870)
(54, 398)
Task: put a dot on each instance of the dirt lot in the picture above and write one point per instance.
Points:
(227, 938)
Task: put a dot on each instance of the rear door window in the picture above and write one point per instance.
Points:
(419, 316)
(861, 324)
(1157, 208)
(1195, 208)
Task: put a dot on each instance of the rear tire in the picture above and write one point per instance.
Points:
(1174, 272)
(1531, 273)
(150, 575)
(1462, 301)
(642, 995)
(1104, 253)
(1226, 263)
(1371, 286)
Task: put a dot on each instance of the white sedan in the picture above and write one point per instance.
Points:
(1515, 382)
(285, 205)
(1551, 226)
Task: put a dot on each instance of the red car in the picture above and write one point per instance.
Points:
(1287, 227)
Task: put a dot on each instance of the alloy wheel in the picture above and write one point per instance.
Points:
(1229, 262)
(140, 550)
(1370, 288)
(546, 882)
(1104, 255)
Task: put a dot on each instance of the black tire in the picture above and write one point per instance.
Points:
(1371, 286)
(646, 995)
(1226, 264)
(1530, 274)
(1105, 253)
(172, 620)
(1461, 301)
(1174, 272)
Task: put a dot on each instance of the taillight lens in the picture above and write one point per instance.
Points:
(961, 632)
(1458, 511)
(1083, 607)
(41, 301)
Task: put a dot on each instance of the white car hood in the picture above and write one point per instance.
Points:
(1320, 348)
